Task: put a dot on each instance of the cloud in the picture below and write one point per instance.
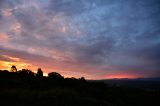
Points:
(103, 36)
(3, 37)
(4, 58)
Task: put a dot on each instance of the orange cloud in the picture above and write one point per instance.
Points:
(20, 64)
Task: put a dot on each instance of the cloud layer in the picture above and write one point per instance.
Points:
(91, 38)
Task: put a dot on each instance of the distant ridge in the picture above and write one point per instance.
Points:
(152, 83)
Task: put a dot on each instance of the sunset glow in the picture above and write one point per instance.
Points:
(19, 65)
(119, 76)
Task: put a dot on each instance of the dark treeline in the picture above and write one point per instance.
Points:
(26, 88)
(28, 79)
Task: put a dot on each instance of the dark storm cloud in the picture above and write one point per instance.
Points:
(111, 35)
(69, 7)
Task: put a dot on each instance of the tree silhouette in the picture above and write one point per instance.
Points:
(26, 72)
(13, 69)
(55, 75)
(39, 73)
(82, 79)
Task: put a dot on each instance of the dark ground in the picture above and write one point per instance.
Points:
(26, 89)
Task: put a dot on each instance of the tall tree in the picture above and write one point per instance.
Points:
(39, 73)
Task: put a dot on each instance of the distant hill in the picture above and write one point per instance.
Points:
(152, 83)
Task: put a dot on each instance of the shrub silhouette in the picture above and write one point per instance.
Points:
(26, 72)
(55, 76)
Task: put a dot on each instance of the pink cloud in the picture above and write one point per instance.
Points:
(3, 37)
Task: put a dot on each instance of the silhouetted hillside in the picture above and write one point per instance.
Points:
(148, 83)
(25, 88)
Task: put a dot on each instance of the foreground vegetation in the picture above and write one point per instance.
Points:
(26, 88)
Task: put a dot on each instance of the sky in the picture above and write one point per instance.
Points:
(97, 39)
